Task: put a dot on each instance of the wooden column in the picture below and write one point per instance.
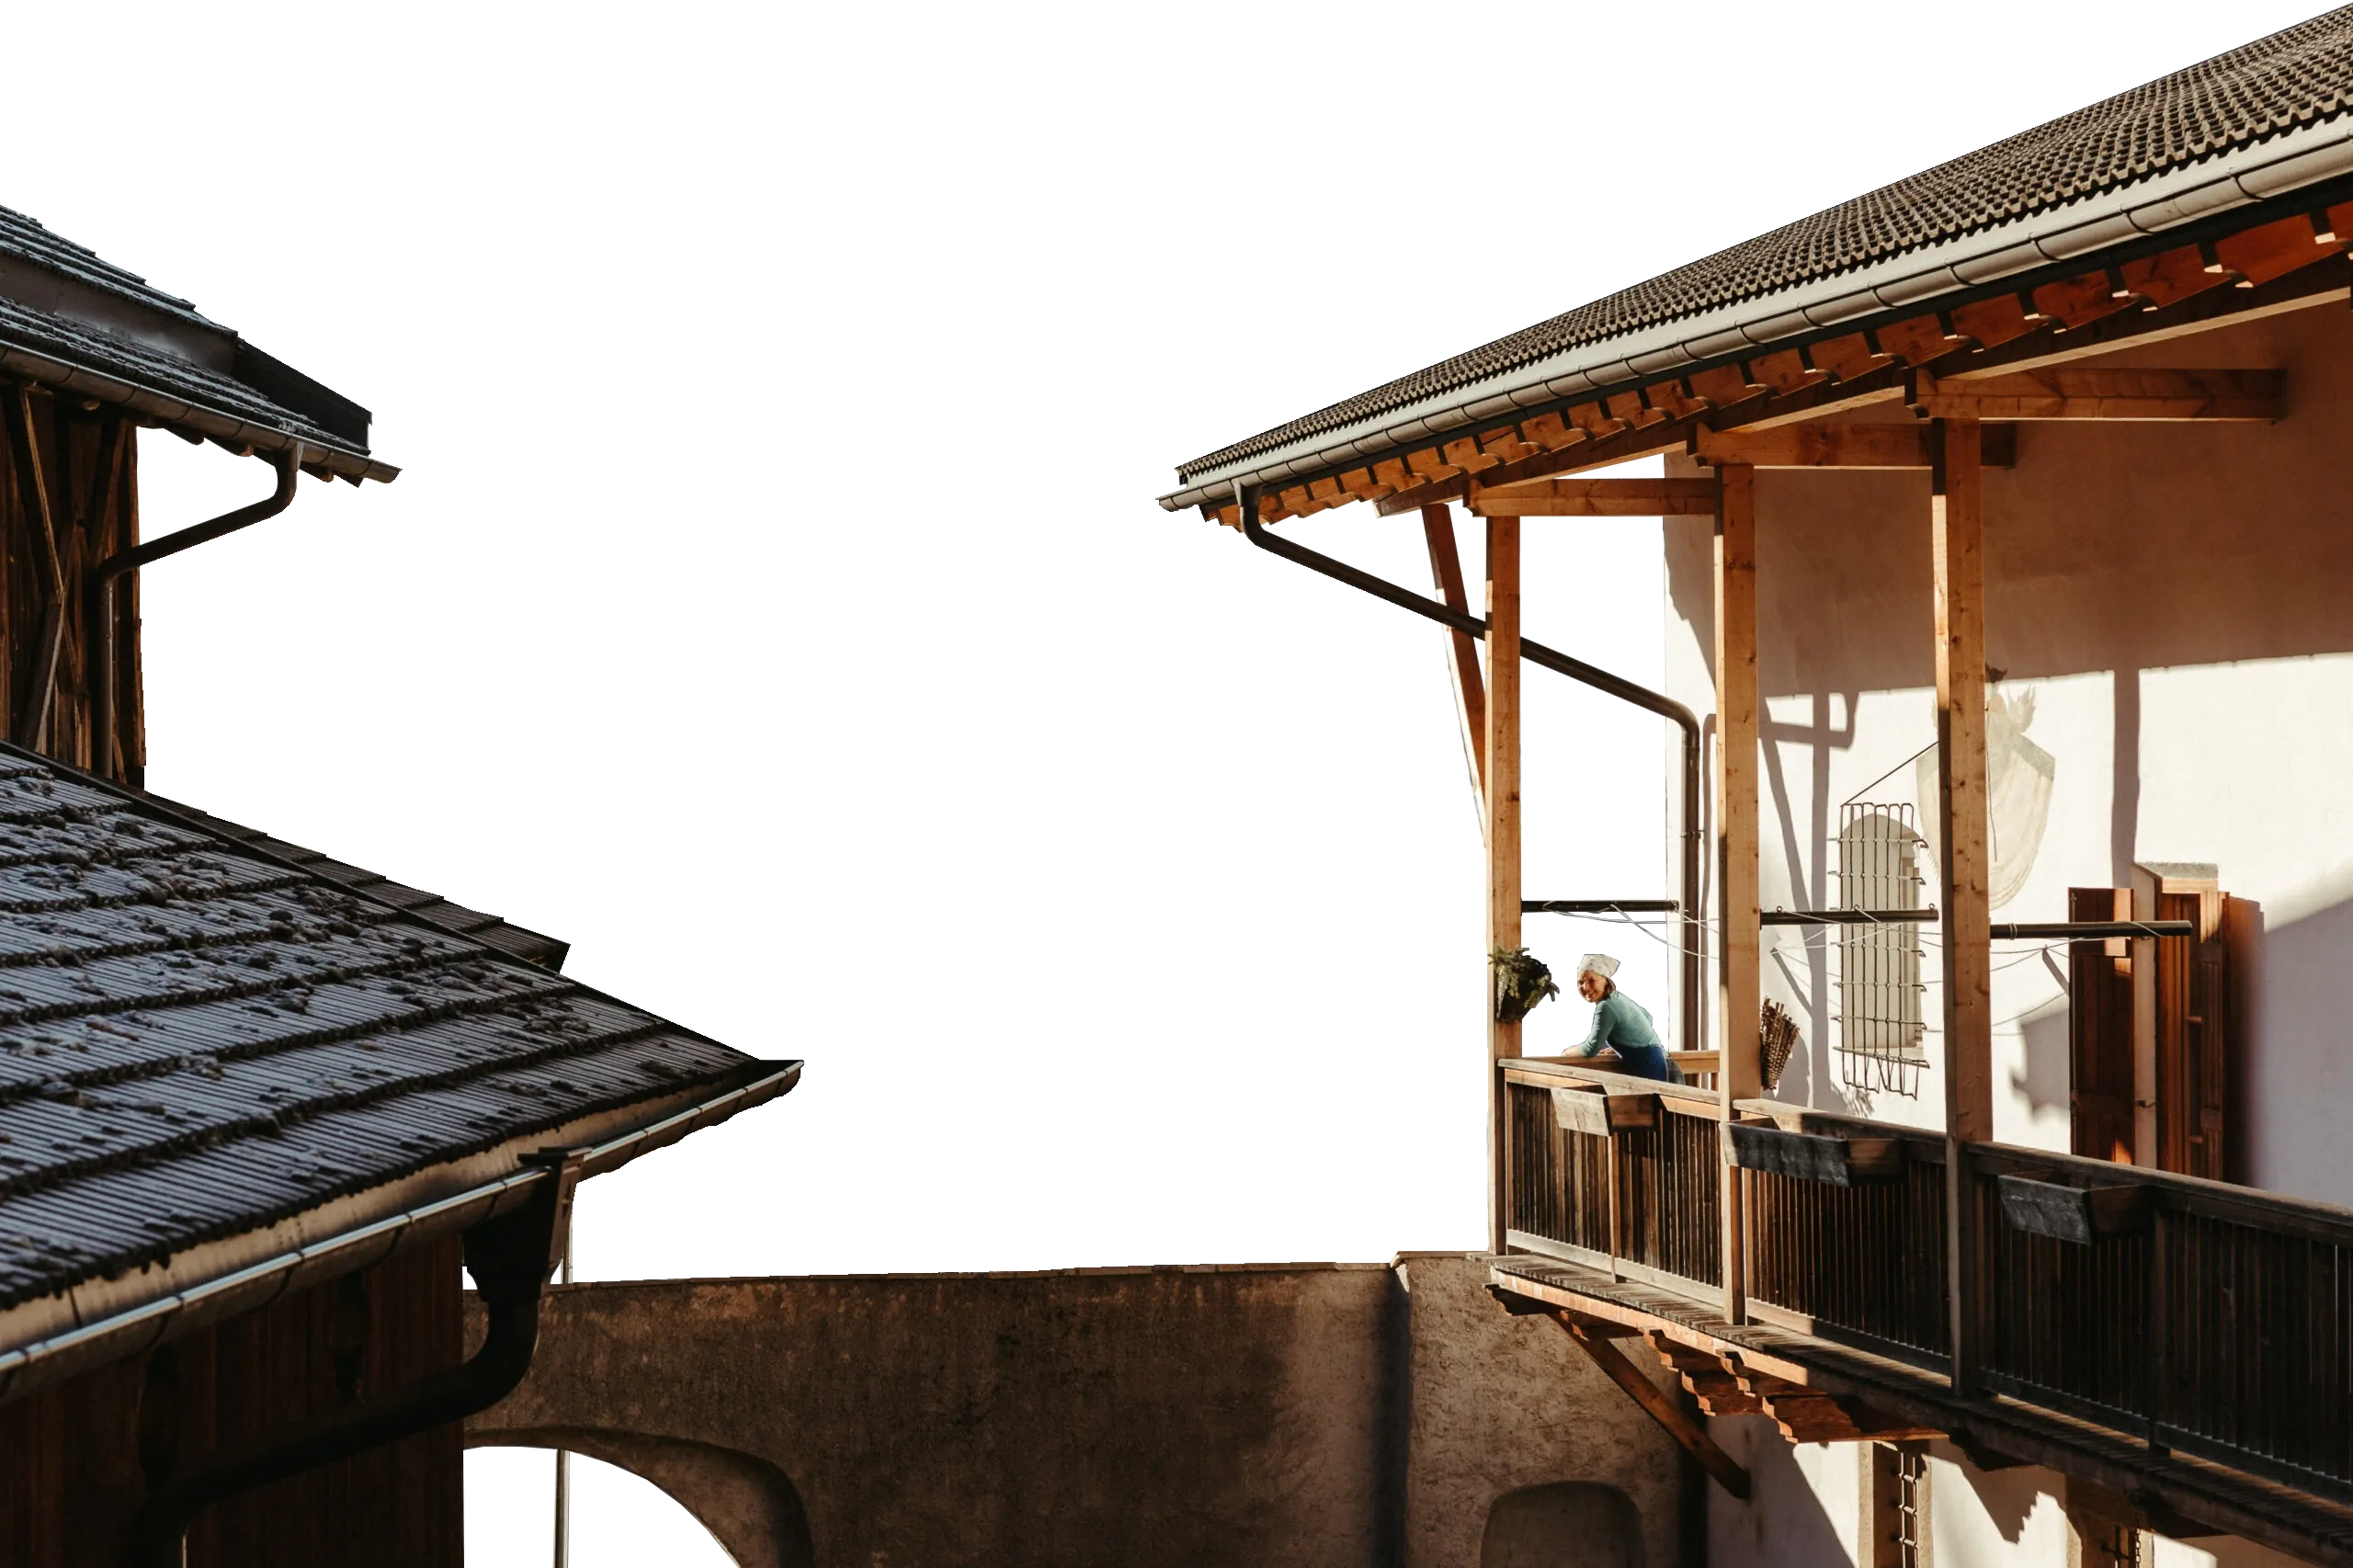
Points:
(1503, 831)
(1738, 980)
(1956, 524)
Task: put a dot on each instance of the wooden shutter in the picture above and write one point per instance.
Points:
(2099, 1029)
(2194, 1033)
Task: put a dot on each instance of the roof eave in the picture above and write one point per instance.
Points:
(2073, 234)
(99, 1321)
(319, 449)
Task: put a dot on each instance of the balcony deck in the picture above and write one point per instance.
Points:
(2184, 1342)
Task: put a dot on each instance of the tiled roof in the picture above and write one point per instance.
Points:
(513, 940)
(25, 237)
(115, 356)
(2296, 77)
(199, 1038)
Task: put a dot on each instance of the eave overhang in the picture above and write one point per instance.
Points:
(2289, 174)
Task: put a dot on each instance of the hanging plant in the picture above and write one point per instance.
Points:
(1521, 981)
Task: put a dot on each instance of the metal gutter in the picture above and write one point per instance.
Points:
(510, 1258)
(99, 624)
(1537, 654)
(355, 1244)
(2176, 199)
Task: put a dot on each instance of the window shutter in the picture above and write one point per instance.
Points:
(2099, 1029)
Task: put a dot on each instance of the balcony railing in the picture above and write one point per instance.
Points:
(2188, 1313)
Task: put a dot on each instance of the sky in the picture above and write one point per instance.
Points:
(774, 603)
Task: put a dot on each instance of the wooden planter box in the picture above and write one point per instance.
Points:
(2042, 1204)
(1597, 1113)
(1809, 1156)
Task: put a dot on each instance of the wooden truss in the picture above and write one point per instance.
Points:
(1992, 360)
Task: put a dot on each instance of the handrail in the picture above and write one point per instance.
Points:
(1535, 1069)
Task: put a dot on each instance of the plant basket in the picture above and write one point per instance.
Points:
(1521, 981)
(1777, 1037)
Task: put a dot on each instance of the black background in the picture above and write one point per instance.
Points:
(777, 605)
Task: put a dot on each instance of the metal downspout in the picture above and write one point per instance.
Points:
(1558, 663)
(288, 464)
(510, 1258)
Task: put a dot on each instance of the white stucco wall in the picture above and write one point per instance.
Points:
(2179, 602)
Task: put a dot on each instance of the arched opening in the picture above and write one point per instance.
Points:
(635, 1499)
(1566, 1524)
(617, 1516)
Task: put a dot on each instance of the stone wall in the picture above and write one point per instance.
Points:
(1275, 1416)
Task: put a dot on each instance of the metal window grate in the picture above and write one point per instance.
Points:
(1881, 1032)
(1911, 1516)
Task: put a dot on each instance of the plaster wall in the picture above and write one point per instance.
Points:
(1807, 1510)
(2175, 602)
(1303, 1414)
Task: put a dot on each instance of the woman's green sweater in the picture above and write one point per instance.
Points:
(1618, 1020)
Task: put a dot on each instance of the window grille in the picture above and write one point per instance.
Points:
(1911, 1514)
(1880, 1033)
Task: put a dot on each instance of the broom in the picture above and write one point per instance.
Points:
(1776, 1035)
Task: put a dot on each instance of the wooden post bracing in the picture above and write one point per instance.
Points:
(1461, 653)
(1656, 1405)
(1503, 833)
(1739, 980)
(1957, 526)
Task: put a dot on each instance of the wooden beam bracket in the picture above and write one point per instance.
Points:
(1719, 1465)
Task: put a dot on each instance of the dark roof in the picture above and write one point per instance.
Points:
(2296, 77)
(514, 940)
(71, 320)
(199, 1038)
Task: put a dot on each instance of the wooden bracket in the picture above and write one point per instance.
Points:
(1461, 652)
(1696, 1442)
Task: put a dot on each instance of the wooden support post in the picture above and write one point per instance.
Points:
(1461, 653)
(1503, 833)
(32, 489)
(1956, 524)
(1658, 1406)
(1739, 979)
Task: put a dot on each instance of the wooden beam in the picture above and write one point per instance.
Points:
(1718, 1389)
(32, 489)
(1655, 1403)
(1843, 446)
(1739, 977)
(2082, 394)
(1598, 498)
(2094, 336)
(1461, 653)
(1503, 832)
(1957, 530)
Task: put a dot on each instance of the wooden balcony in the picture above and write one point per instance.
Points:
(2185, 1342)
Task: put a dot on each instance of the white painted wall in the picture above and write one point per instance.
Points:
(2212, 566)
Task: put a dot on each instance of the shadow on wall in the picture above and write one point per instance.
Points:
(1567, 1524)
(749, 1505)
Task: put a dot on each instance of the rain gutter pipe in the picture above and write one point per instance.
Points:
(510, 1257)
(1558, 663)
(288, 464)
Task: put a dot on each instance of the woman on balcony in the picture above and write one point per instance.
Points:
(1620, 1023)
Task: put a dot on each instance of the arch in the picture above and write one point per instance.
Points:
(1586, 1524)
(749, 1505)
